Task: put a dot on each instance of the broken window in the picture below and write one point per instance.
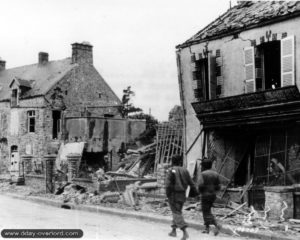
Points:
(277, 158)
(31, 121)
(56, 116)
(14, 98)
(270, 65)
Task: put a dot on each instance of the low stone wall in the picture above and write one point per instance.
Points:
(37, 182)
(275, 198)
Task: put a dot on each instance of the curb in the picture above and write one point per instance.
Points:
(226, 229)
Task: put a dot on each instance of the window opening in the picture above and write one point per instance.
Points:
(267, 66)
(200, 75)
(14, 97)
(56, 115)
(31, 121)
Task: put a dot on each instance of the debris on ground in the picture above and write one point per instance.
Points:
(243, 216)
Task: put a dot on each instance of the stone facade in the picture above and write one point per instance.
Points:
(69, 87)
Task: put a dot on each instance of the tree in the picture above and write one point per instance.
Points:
(127, 107)
(148, 135)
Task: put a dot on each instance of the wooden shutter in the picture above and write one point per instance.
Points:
(288, 61)
(212, 81)
(219, 77)
(249, 69)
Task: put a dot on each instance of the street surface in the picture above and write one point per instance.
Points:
(21, 214)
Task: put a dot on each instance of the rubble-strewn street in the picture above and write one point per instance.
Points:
(243, 218)
(94, 226)
(204, 133)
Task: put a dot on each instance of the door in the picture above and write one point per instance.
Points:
(14, 161)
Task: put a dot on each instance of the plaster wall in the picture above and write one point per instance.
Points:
(233, 71)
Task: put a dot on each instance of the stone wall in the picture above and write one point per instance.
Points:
(161, 177)
(275, 198)
(80, 90)
(83, 89)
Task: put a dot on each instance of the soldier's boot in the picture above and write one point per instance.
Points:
(206, 230)
(185, 234)
(173, 233)
(218, 228)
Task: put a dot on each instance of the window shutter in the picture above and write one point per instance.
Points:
(249, 69)
(193, 58)
(288, 61)
(212, 76)
(219, 77)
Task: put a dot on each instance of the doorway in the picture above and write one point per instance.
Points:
(14, 161)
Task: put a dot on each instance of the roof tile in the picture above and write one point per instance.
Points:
(245, 15)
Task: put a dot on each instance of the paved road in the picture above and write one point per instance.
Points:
(17, 213)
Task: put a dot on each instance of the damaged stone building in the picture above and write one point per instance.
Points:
(38, 102)
(239, 87)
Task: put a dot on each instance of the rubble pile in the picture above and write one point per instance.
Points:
(75, 194)
(230, 214)
(143, 166)
(6, 186)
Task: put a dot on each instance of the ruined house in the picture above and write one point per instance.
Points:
(239, 87)
(36, 100)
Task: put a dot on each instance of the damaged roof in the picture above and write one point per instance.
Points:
(244, 16)
(40, 76)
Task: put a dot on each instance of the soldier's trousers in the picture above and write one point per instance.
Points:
(207, 203)
(176, 202)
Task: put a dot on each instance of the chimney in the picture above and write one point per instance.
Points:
(82, 53)
(2, 64)
(43, 58)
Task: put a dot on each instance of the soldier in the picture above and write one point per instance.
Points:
(177, 181)
(208, 185)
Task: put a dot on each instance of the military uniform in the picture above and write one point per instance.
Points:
(208, 184)
(177, 181)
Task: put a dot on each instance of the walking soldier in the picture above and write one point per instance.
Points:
(177, 181)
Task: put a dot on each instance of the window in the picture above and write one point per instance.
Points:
(56, 116)
(267, 66)
(14, 98)
(200, 78)
(270, 65)
(276, 157)
(204, 75)
(31, 121)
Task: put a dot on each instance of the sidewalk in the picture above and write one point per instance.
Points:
(227, 229)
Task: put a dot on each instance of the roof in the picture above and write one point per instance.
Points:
(244, 16)
(39, 77)
(21, 82)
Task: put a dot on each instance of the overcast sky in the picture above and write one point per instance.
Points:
(134, 40)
